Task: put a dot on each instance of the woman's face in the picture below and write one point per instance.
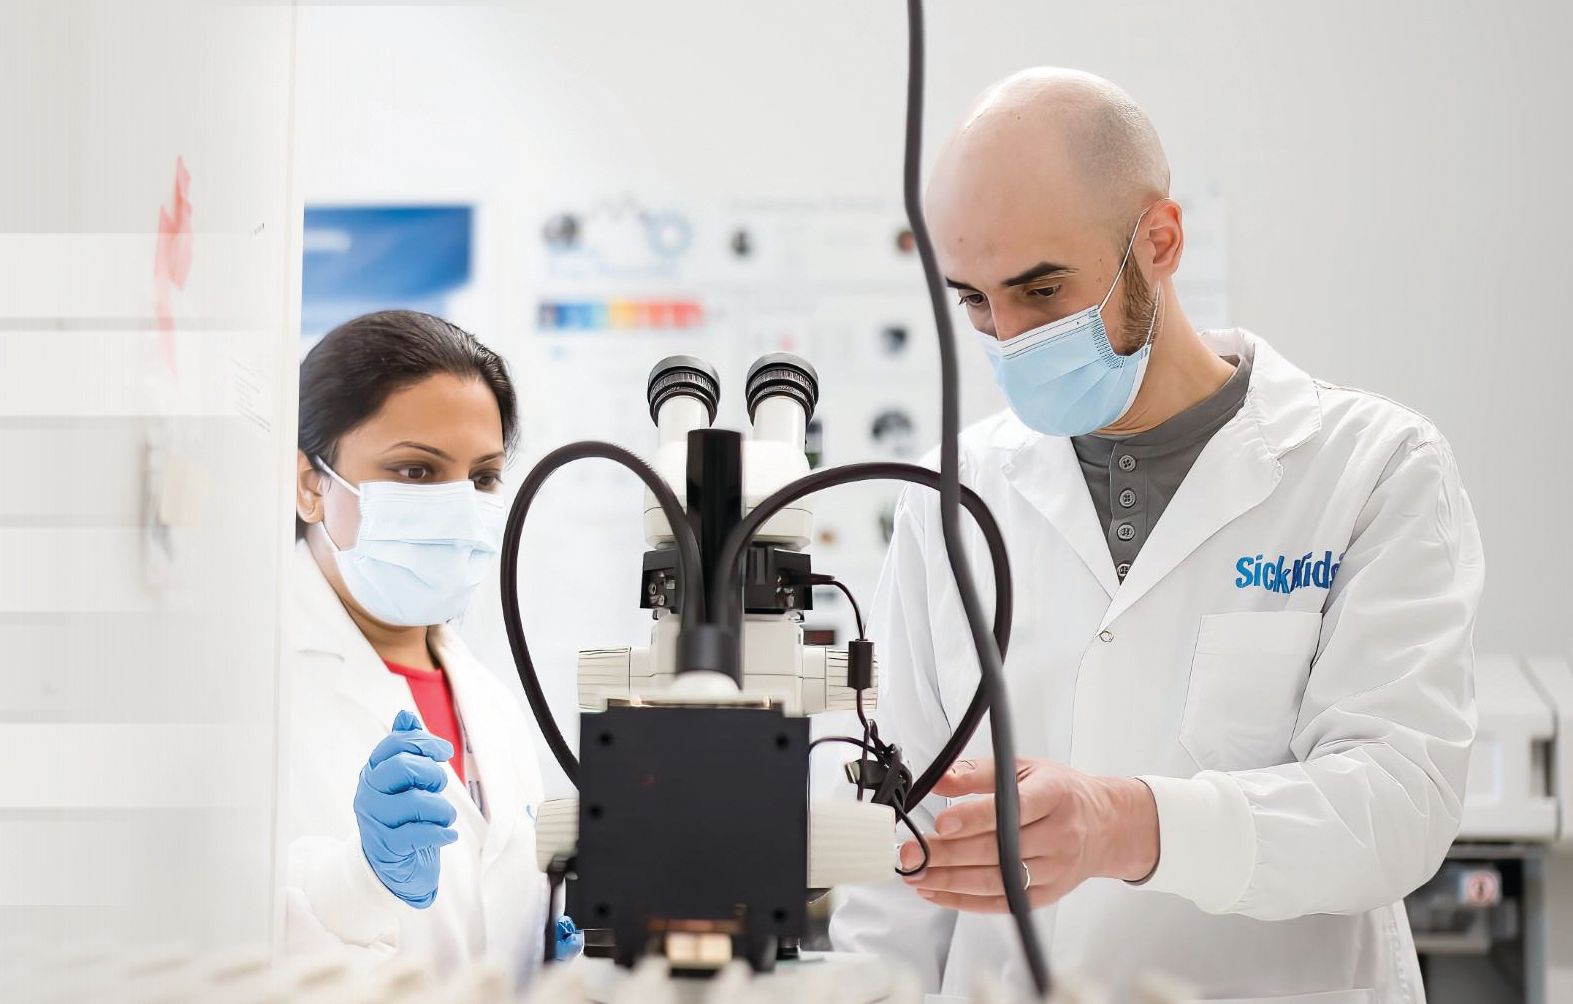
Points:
(445, 428)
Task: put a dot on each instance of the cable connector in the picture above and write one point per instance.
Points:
(860, 664)
(886, 776)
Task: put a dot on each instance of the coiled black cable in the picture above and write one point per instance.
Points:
(688, 570)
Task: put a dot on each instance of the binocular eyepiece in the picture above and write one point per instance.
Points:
(775, 375)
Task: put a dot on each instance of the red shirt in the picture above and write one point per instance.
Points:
(434, 703)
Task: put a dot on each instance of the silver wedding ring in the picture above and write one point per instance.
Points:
(1026, 874)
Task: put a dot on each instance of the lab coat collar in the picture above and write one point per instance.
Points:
(1234, 473)
(1045, 471)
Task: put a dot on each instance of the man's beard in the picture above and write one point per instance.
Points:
(1141, 304)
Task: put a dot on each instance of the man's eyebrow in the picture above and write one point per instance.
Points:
(953, 284)
(422, 447)
(1042, 270)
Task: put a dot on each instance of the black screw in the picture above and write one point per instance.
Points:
(603, 910)
(780, 915)
(605, 739)
(596, 812)
(783, 741)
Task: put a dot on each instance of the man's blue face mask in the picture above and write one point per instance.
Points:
(1064, 378)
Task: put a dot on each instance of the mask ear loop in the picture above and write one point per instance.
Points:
(330, 472)
(1124, 259)
(1152, 325)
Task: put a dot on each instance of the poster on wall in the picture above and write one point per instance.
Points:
(363, 258)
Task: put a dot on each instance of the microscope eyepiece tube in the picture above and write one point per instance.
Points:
(686, 390)
(782, 391)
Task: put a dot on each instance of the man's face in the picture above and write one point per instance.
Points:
(1021, 247)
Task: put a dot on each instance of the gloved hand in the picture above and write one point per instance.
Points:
(404, 820)
(570, 940)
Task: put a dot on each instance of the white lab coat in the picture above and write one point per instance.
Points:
(339, 701)
(1307, 750)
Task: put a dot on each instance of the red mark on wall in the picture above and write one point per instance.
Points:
(172, 259)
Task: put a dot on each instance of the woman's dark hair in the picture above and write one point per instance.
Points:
(346, 378)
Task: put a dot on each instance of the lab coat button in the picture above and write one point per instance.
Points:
(1127, 463)
(1125, 531)
(1106, 635)
(1122, 569)
(1127, 498)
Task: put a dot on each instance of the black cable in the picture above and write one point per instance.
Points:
(868, 733)
(857, 614)
(688, 570)
(737, 542)
(1007, 807)
(837, 739)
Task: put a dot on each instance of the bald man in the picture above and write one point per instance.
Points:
(1240, 673)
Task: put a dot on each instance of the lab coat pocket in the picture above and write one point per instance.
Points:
(1247, 677)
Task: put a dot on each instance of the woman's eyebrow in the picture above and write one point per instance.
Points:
(419, 446)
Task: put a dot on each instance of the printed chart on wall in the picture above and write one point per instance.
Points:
(619, 283)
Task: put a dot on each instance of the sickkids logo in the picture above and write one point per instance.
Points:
(1285, 575)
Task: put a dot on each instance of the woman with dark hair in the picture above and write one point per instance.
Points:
(406, 761)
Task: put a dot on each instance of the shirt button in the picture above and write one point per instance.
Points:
(1106, 636)
(1127, 463)
(1127, 498)
(1123, 569)
(1125, 531)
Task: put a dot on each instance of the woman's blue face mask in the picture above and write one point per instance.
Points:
(1064, 378)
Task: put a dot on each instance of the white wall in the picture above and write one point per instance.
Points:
(1392, 173)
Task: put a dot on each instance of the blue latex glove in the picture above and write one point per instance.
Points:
(404, 820)
(570, 940)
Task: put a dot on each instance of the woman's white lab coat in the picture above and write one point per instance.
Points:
(339, 701)
(1307, 744)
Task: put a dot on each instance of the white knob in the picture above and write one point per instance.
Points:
(556, 829)
(849, 842)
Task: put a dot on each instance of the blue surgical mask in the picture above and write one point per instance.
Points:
(1064, 378)
(421, 550)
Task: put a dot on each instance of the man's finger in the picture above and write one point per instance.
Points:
(1039, 793)
(973, 880)
(967, 777)
(982, 849)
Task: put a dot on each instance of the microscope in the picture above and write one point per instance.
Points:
(693, 836)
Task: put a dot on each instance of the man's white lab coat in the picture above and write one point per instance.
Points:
(1307, 744)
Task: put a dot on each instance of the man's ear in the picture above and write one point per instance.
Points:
(308, 490)
(1164, 234)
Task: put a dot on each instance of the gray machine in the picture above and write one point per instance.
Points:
(1495, 925)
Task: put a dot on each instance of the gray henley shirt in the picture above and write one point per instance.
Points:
(1132, 478)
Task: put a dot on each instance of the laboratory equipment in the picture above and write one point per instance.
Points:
(1492, 923)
